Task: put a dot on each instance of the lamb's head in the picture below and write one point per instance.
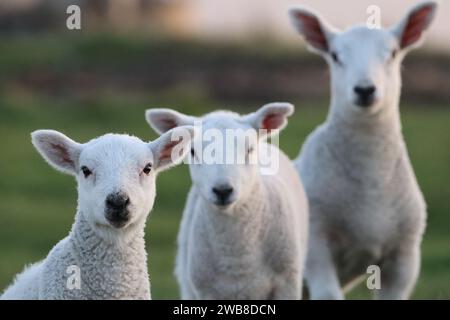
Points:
(225, 158)
(364, 62)
(115, 173)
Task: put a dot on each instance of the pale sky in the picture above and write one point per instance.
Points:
(231, 18)
(235, 17)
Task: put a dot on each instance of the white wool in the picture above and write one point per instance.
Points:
(366, 207)
(112, 261)
(254, 248)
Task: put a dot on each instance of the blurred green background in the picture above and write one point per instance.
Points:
(87, 84)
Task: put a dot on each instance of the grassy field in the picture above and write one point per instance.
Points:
(37, 204)
(86, 88)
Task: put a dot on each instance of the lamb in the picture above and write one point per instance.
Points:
(244, 229)
(366, 207)
(104, 255)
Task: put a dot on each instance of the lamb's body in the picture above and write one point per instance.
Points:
(104, 255)
(26, 284)
(254, 252)
(366, 207)
(107, 271)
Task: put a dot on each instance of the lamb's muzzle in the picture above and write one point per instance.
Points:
(116, 209)
(224, 195)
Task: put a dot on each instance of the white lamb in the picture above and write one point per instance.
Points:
(365, 203)
(244, 230)
(104, 255)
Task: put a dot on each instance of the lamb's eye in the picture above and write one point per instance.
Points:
(147, 168)
(86, 171)
(335, 56)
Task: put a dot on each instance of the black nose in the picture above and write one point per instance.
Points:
(223, 194)
(365, 95)
(117, 208)
(117, 201)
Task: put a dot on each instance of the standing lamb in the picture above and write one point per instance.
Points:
(365, 203)
(105, 249)
(244, 230)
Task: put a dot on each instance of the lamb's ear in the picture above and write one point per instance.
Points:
(270, 118)
(163, 120)
(315, 30)
(59, 151)
(410, 30)
(171, 147)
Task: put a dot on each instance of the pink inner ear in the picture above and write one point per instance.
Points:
(417, 23)
(166, 152)
(62, 153)
(168, 123)
(312, 31)
(272, 121)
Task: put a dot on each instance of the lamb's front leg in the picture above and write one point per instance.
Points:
(320, 273)
(187, 290)
(399, 273)
(288, 288)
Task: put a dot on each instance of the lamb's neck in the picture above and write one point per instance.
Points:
(238, 230)
(383, 126)
(90, 244)
(109, 269)
(362, 144)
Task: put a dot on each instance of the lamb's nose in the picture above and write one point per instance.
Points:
(365, 95)
(117, 201)
(116, 210)
(223, 194)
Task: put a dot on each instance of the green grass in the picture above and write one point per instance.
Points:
(37, 204)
